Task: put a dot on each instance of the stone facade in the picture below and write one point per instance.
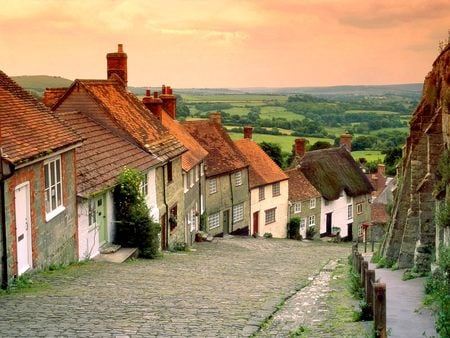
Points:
(221, 202)
(411, 236)
(53, 241)
(304, 212)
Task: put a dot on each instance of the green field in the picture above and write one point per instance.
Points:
(247, 99)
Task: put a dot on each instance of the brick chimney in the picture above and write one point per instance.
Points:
(169, 101)
(215, 118)
(380, 169)
(300, 147)
(117, 64)
(346, 141)
(248, 131)
(153, 103)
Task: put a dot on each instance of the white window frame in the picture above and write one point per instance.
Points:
(312, 220)
(212, 186)
(359, 208)
(191, 178)
(297, 207)
(270, 216)
(312, 203)
(276, 189)
(238, 213)
(92, 212)
(262, 193)
(144, 185)
(238, 178)
(213, 221)
(350, 211)
(185, 183)
(302, 223)
(51, 187)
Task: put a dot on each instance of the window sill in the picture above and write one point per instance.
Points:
(49, 216)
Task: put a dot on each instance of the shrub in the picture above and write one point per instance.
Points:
(135, 226)
(310, 232)
(293, 227)
(268, 235)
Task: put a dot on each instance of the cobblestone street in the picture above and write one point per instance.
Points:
(227, 288)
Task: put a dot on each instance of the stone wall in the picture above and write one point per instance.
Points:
(411, 234)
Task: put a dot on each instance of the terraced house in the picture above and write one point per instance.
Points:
(268, 189)
(345, 190)
(110, 105)
(227, 202)
(37, 179)
(192, 161)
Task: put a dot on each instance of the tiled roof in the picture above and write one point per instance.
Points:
(379, 214)
(52, 95)
(127, 112)
(299, 187)
(103, 155)
(223, 155)
(263, 170)
(333, 170)
(196, 153)
(28, 129)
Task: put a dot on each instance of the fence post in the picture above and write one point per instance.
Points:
(360, 263)
(379, 310)
(364, 268)
(370, 280)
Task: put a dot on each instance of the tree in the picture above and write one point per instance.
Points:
(274, 151)
(320, 145)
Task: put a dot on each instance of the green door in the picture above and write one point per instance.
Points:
(101, 220)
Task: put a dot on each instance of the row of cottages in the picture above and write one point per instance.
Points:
(37, 184)
(337, 194)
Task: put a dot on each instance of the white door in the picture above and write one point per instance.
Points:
(23, 227)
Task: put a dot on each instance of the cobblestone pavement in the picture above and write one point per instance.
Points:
(227, 288)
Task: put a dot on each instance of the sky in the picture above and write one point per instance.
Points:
(226, 43)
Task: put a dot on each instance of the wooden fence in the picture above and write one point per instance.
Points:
(374, 293)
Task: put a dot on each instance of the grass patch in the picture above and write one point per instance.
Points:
(369, 155)
(385, 263)
(302, 331)
(23, 283)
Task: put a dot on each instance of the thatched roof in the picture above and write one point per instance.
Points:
(332, 170)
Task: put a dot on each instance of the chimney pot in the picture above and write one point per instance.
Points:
(300, 147)
(120, 48)
(381, 169)
(215, 118)
(155, 94)
(147, 92)
(248, 131)
(346, 141)
(163, 89)
(116, 63)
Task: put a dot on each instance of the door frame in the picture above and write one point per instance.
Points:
(329, 223)
(29, 238)
(256, 222)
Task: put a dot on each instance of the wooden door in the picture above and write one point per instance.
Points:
(256, 222)
(101, 220)
(23, 228)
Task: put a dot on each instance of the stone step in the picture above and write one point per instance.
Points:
(118, 256)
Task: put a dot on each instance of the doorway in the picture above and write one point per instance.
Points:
(23, 227)
(329, 223)
(256, 222)
(226, 222)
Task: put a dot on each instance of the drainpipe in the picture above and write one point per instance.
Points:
(3, 220)
(232, 204)
(166, 240)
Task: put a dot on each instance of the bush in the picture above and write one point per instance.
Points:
(293, 227)
(268, 235)
(135, 226)
(310, 232)
(437, 287)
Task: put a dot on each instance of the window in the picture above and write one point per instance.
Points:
(144, 185)
(173, 221)
(302, 223)
(238, 213)
(197, 169)
(297, 208)
(350, 211)
(213, 185)
(312, 220)
(270, 216)
(238, 178)
(261, 193)
(276, 189)
(213, 221)
(191, 178)
(202, 169)
(185, 181)
(312, 203)
(359, 208)
(169, 172)
(92, 212)
(53, 188)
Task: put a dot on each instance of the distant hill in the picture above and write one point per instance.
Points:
(36, 84)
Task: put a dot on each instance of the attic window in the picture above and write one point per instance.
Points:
(276, 189)
(312, 203)
(261, 193)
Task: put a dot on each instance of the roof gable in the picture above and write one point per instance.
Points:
(196, 153)
(263, 170)
(223, 155)
(332, 170)
(299, 187)
(28, 129)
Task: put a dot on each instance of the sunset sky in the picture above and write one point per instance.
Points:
(226, 43)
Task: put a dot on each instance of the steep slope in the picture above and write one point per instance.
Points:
(411, 234)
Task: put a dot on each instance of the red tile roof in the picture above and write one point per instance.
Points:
(103, 155)
(223, 155)
(263, 170)
(52, 95)
(28, 129)
(379, 214)
(125, 111)
(196, 153)
(299, 187)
